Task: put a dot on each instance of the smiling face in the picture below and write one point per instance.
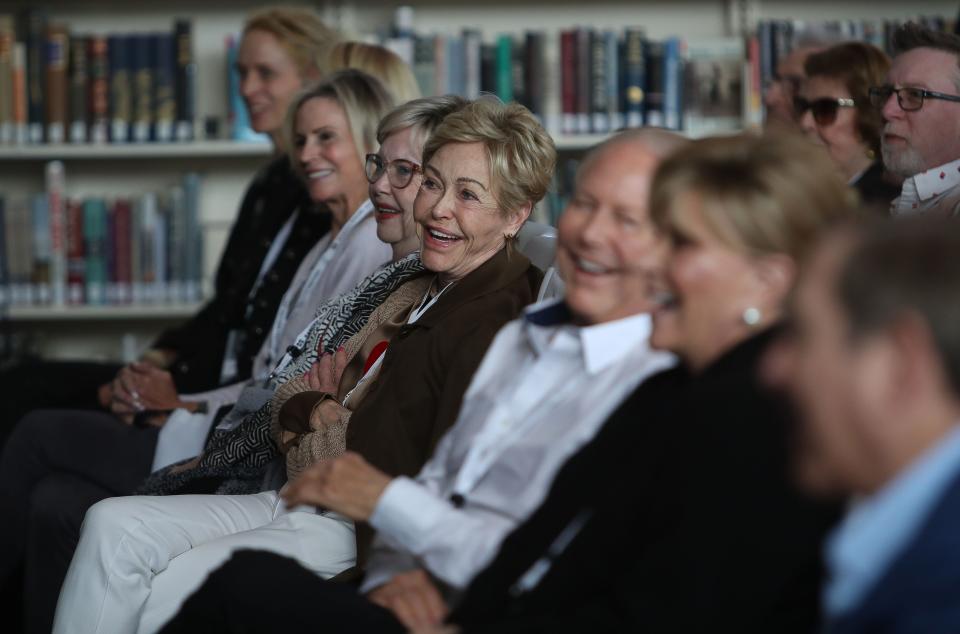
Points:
(607, 247)
(394, 206)
(328, 157)
(840, 137)
(269, 79)
(913, 142)
(709, 285)
(460, 223)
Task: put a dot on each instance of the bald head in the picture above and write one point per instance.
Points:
(641, 144)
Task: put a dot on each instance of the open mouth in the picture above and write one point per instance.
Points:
(590, 267)
(386, 211)
(441, 239)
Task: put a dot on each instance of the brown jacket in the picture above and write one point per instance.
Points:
(428, 366)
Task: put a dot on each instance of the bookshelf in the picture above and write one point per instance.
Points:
(226, 166)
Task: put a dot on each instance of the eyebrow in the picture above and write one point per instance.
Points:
(461, 179)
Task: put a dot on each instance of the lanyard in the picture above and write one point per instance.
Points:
(293, 297)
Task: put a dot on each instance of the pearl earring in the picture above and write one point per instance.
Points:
(752, 316)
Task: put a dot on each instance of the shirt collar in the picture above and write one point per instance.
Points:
(602, 345)
(878, 528)
(935, 181)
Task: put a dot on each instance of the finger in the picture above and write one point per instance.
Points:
(434, 604)
(419, 611)
(339, 363)
(402, 611)
(313, 377)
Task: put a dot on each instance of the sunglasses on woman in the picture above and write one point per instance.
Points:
(399, 172)
(824, 110)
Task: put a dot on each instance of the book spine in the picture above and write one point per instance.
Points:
(599, 97)
(456, 80)
(79, 71)
(552, 80)
(19, 90)
(142, 87)
(505, 67)
(147, 239)
(488, 68)
(634, 77)
(57, 97)
(20, 248)
(165, 102)
(672, 88)
(98, 90)
(40, 276)
(58, 232)
(161, 292)
(440, 77)
(7, 39)
(177, 244)
(424, 64)
(568, 59)
(110, 255)
(185, 90)
(753, 112)
(583, 39)
(653, 106)
(5, 286)
(36, 26)
(122, 232)
(119, 99)
(472, 69)
(534, 73)
(95, 237)
(76, 259)
(137, 294)
(194, 235)
(614, 112)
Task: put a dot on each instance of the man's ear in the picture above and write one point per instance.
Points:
(776, 275)
(919, 364)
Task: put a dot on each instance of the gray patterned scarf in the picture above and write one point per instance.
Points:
(235, 461)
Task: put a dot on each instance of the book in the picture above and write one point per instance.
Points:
(141, 82)
(35, 28)
(185, 85)
(653, 112)
(40, 271)
(76, 259)
(19, 92)
(79, 79)
(583, 39)
(504, 67)
(672, 83)
(713, 86)
(472, 68)
(534, 73)
(424, 64)
(599, 90)
(19, 249)
(614, 102)
(634, 77)
(95, 247)
(56, 95)
(5, 295)
(193, 274)
(456, 71)
(551, 85)
(123, 238)
(56, 210)
(568, 83)
(488, 69)
(98, 90)
(164, 96)
(118, 49)
(7, 40)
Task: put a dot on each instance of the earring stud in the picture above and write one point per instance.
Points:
(752, 316)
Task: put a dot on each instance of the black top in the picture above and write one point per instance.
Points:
(679, 516)
(200, 343)
(875, 191)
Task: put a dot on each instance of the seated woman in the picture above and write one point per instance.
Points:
(484, 168)
(46, 484)
(680, 515)
(835, 111)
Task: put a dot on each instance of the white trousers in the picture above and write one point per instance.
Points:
(139, 558)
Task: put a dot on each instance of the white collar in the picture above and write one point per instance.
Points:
(936, 180)
(602, 345)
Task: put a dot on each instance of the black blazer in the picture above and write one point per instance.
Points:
(678, 517)
(200, 342)
(875, 191)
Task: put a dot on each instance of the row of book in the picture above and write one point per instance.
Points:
(57, 251)
(58, 87)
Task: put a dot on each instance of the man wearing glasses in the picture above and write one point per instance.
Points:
(921, 109)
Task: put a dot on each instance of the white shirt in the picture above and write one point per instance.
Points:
(543, 390)
(935, 190)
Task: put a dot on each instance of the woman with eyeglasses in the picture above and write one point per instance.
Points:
(834, 110)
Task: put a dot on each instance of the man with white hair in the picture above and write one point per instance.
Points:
(921, 107)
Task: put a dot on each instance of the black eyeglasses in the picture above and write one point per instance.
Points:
(400, 172)
(824, 110)
(908, 98)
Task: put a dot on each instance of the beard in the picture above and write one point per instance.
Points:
(903, 162)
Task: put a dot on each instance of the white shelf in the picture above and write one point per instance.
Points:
(198, 149)
(73, 313)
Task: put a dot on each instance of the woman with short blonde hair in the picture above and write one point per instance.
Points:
(379, 61)
(301, 33)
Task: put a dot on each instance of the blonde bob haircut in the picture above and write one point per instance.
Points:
(424, 115)
(395, 74)
(520, 153)
(364, 101)
(758, 195)
(302, 34)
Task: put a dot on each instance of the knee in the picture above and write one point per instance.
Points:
(107, 517)
(33, 430)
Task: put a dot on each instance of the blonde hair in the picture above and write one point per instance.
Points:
(759, 195)
(364, 101)
(395, 74)
(422, 114)
(302, 34)
(520, 152)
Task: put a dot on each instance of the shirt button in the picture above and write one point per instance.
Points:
(457, 500)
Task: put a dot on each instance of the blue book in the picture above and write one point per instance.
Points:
(456, 79)
(673, 83)
(164, 88)
(118, 51)
(194, 234)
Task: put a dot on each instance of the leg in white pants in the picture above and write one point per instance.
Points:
(126, 542)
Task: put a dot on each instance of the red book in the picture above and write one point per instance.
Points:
(76, 257)
(122, 228)
(568, 81)
(98, 88)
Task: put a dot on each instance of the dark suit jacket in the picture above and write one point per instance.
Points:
(689, 521)
(875, 191)
(200, 342)
(429, 365)
(920, 593)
